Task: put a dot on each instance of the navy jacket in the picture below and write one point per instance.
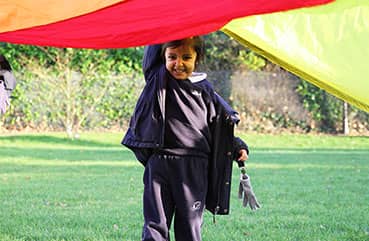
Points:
(146, 129)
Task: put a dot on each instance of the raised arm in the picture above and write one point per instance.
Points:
(151, 60)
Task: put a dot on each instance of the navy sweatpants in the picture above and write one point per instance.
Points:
(174, 186)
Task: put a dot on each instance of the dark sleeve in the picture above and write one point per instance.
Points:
(151, 60)
(238, 145)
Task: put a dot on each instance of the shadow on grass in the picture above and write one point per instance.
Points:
(102, 153)
(56, 140)
(62, 154)
(311, 150)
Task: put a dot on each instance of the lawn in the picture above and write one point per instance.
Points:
(310, 188)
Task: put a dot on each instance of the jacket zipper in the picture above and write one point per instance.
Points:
(161, 100)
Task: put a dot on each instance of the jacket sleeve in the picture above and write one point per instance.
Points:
(239, 144)
(151, 60)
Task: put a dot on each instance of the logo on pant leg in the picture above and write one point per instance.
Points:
(196, 205)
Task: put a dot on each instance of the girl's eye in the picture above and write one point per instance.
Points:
(171, 57)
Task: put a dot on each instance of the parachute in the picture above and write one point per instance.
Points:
(122, 24)
(326, 45)
(321, 41)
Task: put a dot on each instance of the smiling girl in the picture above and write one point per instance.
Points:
(182, 132)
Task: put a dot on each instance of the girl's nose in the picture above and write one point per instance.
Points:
(178, 62)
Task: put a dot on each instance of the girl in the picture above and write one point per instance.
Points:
(182, 132)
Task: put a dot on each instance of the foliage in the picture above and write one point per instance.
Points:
(118, 103)
(69, 87)
(73, 89)
(284, 121)
(251, 59)
(224, 56)
(325, 109)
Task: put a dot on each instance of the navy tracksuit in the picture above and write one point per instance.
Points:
(174, 185)
(182, 133)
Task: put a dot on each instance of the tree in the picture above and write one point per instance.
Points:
(64, 86)
(345, 121)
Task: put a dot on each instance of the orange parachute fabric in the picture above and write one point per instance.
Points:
(22, 14)
(121, 24)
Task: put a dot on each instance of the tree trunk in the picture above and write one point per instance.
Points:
(345, 125)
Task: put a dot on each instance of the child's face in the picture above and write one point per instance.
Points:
(180, 61)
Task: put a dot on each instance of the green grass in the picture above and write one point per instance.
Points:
(310, 188)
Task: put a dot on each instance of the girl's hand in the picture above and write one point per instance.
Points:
(243, 155)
